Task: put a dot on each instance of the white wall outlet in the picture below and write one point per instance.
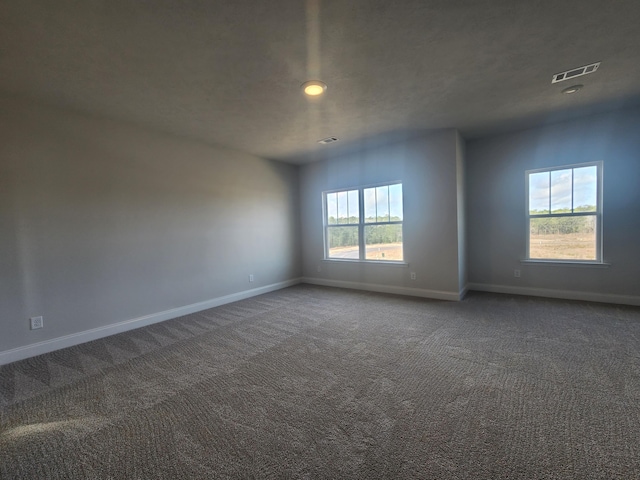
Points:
(319, 268)
(516, 273)
(251, 277)
(36, 322)
(413, 275)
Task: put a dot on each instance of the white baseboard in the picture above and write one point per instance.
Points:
(552, 293)
(373, 287)
(53, 344)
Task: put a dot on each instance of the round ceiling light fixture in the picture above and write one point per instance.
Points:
(313, 88)
(572, 89)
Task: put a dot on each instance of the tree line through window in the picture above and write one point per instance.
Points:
(364, 223)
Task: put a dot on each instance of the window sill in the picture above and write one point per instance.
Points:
(365, 262)
(565, 263)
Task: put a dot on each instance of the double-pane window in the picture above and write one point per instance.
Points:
(564, 213)
(364, 223)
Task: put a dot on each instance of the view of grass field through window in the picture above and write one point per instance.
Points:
(563, 208)
(381, 224)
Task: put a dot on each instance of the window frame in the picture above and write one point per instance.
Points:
(362, 223)
(598, 214)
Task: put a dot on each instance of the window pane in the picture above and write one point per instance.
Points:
(539, 193)
(343, 212)
(585, 189)
(354, 209)
(383, 242)
(561, 190)
(343, 242)
(382, 203)
(563, 238)
(395, 202)
(369, 205)
(332, 208)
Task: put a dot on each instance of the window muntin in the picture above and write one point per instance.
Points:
(564, 213)
(374, 217)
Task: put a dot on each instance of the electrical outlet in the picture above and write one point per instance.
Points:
(319, 268)
(251, 277)
(36, 322)
(516, 273)
(413, 275)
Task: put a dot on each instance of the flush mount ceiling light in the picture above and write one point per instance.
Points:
(313, 88)
(572, 89)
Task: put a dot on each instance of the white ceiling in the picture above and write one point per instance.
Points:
(229, 72)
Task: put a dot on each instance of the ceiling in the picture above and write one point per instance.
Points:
(229, 72)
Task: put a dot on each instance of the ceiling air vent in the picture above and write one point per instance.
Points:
(576, 72)
(324, 141)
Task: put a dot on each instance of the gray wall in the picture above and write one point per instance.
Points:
(102, 222)
(429, 170)
(496, 199)
(461, 189)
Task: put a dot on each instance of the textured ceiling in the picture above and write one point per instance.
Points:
(229, 72)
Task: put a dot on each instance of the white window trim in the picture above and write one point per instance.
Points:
(598, 262)
(388, 263)
(361, 226)
(565, 263)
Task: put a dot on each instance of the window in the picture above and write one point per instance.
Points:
(364, 224)
(564, 213)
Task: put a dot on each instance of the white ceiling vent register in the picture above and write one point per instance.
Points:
(324, 141)
(575, 72)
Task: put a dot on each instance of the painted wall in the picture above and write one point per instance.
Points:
(462, 210)
(102, 222)
(429, 170)
(496, 200)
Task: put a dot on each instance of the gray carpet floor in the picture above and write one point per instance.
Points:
(313, 382)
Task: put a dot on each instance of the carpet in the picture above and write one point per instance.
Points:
(315, 382)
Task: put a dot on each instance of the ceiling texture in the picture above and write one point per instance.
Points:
(229, 72)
